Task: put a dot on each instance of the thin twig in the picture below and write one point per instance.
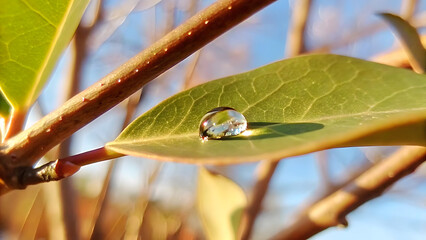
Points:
(136, 218)
(332, 210)
(365, 31)
(323, 164)
(350, 38)
(265, 171)
(70, 209)
(54, 212)
(98, 218)
(190, 69)
(33, 218)
(27, 212)
(170, 11)
(296, 36)
(408, 8)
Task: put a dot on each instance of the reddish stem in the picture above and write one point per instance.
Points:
(67, 166)
(57, 170)
(93, 156)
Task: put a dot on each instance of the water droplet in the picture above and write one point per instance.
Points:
(147, 62)
(166, 49)
(48, 130)
(136, 70)
(189, 33)
(119, 80)
(230, 7)
(222, 122)
(207, 21)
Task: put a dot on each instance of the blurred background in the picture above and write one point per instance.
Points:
(134, 197)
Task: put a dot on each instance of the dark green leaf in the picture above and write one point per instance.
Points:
(293, 107)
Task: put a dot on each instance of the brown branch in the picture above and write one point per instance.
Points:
(170, 10)
(332, 210)
(296, 35)
(350, 38)
(53, 210)
(408, 8)
(190, 70)
(265, 171)
(99, 215)
(28, 146)
(321, 158)
(365, 31)
(98, 16)
(32, 219)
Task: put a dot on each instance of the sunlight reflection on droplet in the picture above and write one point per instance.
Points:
(247, 133)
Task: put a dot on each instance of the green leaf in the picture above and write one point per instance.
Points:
(410, 40)
(33, 34)
(220, 205)
(293, 107)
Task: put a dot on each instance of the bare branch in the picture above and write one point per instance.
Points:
(190, 69)
(323, 168)
(332, 210)
(99, 215)
(295, 40)
(408, 8)
(265, 171)
(365, 31)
